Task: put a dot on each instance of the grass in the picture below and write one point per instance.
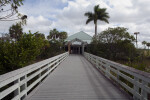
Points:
(143, 65)
(147, 62)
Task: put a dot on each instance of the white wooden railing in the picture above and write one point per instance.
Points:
(19, 83)
(134, 82)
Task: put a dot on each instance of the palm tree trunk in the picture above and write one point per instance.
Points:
(95, 29)
(148, 50)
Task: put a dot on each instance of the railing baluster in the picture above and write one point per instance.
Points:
(97, 65)
(107, 70)
(40, 75)
(20, 79)
(118, 76)
(139, 89)
(136, 88)
(25, 85)
(143, 92)
(17, 91)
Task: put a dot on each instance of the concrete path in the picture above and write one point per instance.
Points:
(76, 79)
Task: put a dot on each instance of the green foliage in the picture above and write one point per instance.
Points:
(39, 35)
(11, 2)
(30, 46)
(56, 35)
(53, 34)
(56, 40)
(138, 63)
(27, 47)
(63, 36)
(114, 35)
(144, 43)
(117, 44)
(114, 44)
(148, 45)
(14, 55)
(51, 50)
(16, 31)
(9, 9)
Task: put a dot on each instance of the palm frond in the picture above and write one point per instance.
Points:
(88, 14)
(104, 19)
(96, 8)
(89, 20)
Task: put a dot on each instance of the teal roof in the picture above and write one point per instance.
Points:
(80, 35)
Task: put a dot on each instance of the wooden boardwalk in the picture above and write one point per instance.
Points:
(76, 79)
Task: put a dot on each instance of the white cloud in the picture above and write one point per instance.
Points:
(72, 19)
(68, 15)
(64, 1)
(39, 23)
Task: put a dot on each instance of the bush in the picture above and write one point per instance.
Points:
(14, 55)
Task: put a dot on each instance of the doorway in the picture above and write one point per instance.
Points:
(76, 50)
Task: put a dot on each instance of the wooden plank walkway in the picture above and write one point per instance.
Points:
(76, 79)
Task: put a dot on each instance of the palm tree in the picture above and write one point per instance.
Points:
(63, 35)
(99, 14)
(53, 34)
(148, 44)
(144, 43)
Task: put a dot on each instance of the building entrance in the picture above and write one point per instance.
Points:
(76, 50)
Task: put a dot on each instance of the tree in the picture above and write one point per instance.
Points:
(5, 37)
(63, 35)
(14, 55)
(53, 34)
(113, 35)
(39, 35)
(9, 10)
(144, 43)
(56, 35)
(114, 43)
(99, 14)
(16, 31)
(148, 45)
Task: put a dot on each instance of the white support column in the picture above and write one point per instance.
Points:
(79, 50)
(82, 48)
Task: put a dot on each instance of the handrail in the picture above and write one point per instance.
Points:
(22, 81)
(133, 81)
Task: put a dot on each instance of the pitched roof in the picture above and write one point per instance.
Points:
(80, 35)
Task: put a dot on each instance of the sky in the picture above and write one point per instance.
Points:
(68, 15)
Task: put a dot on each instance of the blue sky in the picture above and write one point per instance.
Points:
(68, 15)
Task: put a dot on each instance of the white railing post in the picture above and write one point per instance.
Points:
(143, 92)
(25, 85)
(133, 81)
(89, 57)
(97, 62)
(19, 78)
(40, 75)
(17, 91)
(135, 87)
(107, 70)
